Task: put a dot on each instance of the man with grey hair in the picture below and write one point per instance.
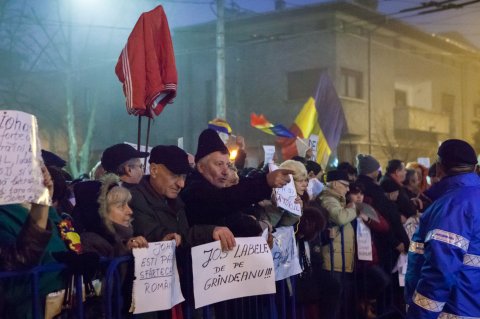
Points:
(124, 161)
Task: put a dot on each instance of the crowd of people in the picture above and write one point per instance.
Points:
(353, 236)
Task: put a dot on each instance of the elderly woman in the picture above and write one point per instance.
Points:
(115, 236)
(277, 216)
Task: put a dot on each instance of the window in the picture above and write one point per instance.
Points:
(351, 83)
(302, 84)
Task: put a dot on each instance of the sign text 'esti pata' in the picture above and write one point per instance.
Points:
(156, 286)
(246, 270)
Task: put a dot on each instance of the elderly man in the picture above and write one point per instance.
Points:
(209, 201)
(157, 209)
(443, 262)
(125, 161)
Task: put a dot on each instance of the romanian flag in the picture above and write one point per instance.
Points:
(322, 115)
(260, 122)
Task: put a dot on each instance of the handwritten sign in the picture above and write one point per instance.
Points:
(286, 195)
(364, 241)
(157, 285)
(285, 253)
(269, 153)
(21, 178)
(247, 270)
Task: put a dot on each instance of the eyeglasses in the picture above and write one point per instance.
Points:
(344, 184)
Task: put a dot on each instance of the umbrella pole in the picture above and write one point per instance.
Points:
(146, 144)
(139, 132)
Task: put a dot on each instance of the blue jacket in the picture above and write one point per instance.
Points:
(443, 274)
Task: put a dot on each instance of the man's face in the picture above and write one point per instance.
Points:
(341, 187)
(164, 182)
(134, 172)
(400, 174)
(214, 168)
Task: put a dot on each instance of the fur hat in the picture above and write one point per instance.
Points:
(455, 152)
(366, 164)
(209, 142)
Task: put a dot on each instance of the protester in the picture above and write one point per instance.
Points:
(339, 256)
(422, 173)
(315, 186)
(115, 237)
(124, 161)
(443, 258)
(28, 237)
(209, 202)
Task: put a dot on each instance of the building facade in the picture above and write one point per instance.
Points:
(402, 90)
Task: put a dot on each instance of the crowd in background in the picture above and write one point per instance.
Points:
(207, 197)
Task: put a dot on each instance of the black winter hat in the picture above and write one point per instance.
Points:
(456, 152)
(389, 186)
(173, 157)
(52, 159)
(209, 142)
(117, 154)
(337, 175)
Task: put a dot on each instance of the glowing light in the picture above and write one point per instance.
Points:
(233, 154)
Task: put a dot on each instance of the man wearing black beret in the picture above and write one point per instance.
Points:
(444, 256)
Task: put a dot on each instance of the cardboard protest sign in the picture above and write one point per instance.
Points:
(156, 285)
(285, 196)
(218, 275)
(21, 178)
(285, 253)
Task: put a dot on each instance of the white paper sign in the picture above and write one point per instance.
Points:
(21, 178)
(425, 161)
(364, 241)
(247, 270)
(285, 253)
(285, 196)
(157, 285)
(401, 267)
(313, 143)
(269, 153)
(142, 149)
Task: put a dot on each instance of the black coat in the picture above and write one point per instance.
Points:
(404, 204)
(207, 204)
(385, 243)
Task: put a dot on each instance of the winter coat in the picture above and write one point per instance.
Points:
(14, 224)
(341, 217)
(443, 260)
(155, 216)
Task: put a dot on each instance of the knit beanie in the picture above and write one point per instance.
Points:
(366, 164)
(209, 142)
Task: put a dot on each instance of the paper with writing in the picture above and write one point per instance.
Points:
(285, 253)
(286, 195)
(247, 270)
(269, 153)
(364, 241)
(157, 285)
(21, 178)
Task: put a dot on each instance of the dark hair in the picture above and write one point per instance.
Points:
(356, 188)
(313, 167)
(432, 171)
(313, 220)
(299, 159)
(346, 166)
(393, 165)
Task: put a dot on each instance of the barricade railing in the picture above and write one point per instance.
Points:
(274, 306)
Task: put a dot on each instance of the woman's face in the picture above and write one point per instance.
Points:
(356, 198)
(414, 180)
(301, 185)
(120, 213)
